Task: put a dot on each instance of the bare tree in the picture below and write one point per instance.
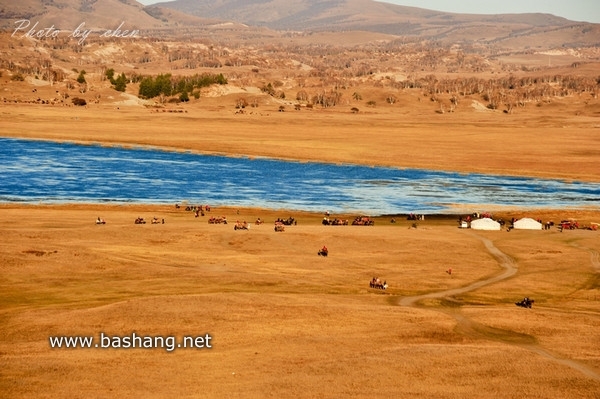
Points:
(241, 103)
(302, 95)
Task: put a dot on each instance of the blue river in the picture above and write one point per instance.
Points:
(34, 171)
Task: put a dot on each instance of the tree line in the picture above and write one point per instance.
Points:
(168, 85)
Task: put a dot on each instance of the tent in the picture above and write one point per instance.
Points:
(485, 224)
(527, 224)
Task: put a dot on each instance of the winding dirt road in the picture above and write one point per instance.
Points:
(474, 329)
(505, 261)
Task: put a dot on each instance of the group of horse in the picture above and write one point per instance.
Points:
(363, 221)
(241, 225)
(197, 209)
(377, 284)
(335, 222)
(287, 222)
(217, 220)
(155, 220)
(358, 221)
(194, 208)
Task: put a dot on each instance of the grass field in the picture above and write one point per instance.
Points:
(288, 323)
(285, 322)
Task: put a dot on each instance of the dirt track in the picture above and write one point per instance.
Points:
(473, 329)
(505, 261)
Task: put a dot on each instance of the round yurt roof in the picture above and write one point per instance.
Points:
(527, 224)
(485, 224)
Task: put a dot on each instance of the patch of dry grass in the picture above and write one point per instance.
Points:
(284, 321)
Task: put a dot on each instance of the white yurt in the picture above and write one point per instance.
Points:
(485, 224)
(527, 224)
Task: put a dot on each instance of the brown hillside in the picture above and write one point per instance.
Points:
(368, 15)
(105, 14)
(504, 31)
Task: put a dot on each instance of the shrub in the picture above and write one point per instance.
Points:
(78, 101)
(81, 77)
(120, 83)
(269, 89)
(110, 74)
(241, 103)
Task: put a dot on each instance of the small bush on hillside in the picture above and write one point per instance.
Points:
(241, 103)
(81, 77)
(78, 101)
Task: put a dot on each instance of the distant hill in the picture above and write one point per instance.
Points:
(520, 30)
(348, 14)
(512, 31)
(99, 14)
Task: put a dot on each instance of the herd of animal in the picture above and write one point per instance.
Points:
(280, 224)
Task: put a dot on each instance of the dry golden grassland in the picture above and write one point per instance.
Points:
(285, 322)
(288, 323)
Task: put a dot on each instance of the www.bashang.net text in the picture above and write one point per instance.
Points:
(131, 341)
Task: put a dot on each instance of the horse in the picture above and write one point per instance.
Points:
(288, 222)
(335, 222)
(240, 226)
(363, 221)
(377, 284)
(525, 303)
